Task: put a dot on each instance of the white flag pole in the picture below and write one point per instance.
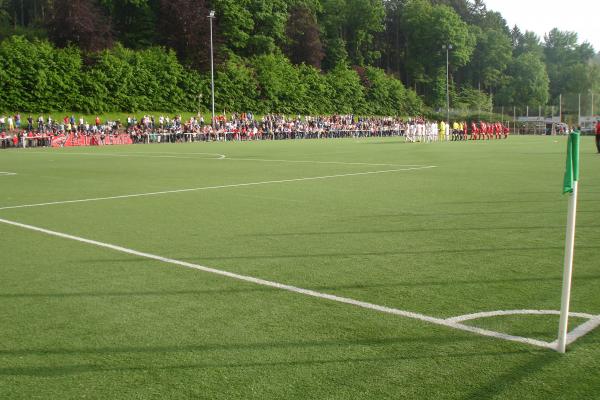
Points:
(568, 272)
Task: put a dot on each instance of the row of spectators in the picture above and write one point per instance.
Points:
(49, 126)
(242, 126)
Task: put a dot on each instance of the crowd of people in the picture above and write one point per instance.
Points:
(420, 130)
(44, 131)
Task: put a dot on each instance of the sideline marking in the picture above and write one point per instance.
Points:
(220, 157)
(8, 173)
(580, 331)
(314, 178)
(307, 292)
(488, 314)
(320, 162)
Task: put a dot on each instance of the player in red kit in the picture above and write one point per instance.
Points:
(598, 136)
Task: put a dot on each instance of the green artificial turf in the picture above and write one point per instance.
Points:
(483, 231)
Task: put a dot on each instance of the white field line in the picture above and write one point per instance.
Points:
(7, 173)
(488, 314)
(126, 196)
(580, 331)
(320, 162)
(293, 289)
(220, 157)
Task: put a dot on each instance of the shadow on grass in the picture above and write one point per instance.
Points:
(558, 200)
(320, 355)
(514, 376)
(386, 253)
(244, 346)
(203, 292)
(466, 214)
(435, 229)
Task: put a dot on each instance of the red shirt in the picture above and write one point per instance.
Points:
(598, 128)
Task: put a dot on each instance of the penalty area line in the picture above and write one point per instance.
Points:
(126, 196)
(7, 173)
(289, 288)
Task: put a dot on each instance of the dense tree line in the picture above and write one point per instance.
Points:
(37, 76)
(305, 56)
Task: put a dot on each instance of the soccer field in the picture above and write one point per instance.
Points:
(338, 269)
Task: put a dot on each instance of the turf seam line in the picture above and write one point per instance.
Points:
(289, 288)
(314, 178)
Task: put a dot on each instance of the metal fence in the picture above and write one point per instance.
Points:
(567, 111)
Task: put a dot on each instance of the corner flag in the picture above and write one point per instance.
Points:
(572, 170)
(570, 185)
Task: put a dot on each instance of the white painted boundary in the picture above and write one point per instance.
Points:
(357, 303)
(321, 162)
(7, 173)
(577, 333)
(126, 196)
(580, 331)
(219, 157)
(488, 314)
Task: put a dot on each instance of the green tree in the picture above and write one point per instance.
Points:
(528, 82)
(429, 28)
(134, 21)
(316, 92)
(567, 62)
(347, 92)
(237, 87)
(279, 83)
(528, 42)
(252, 27)
(492, 55)
(304, 40)
(38, 77)
(349, 27)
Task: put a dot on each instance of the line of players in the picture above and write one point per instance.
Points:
(424, 131)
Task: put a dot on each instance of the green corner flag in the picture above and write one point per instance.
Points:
(572, 171)
(570, 186)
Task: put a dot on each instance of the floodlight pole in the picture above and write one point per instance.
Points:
(211, 16)
(447, 48)
(560, 108)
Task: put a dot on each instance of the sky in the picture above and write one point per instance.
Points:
(540, 16)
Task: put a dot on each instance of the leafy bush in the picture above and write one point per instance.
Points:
(35, 76)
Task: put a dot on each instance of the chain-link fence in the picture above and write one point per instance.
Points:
(567, 111)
